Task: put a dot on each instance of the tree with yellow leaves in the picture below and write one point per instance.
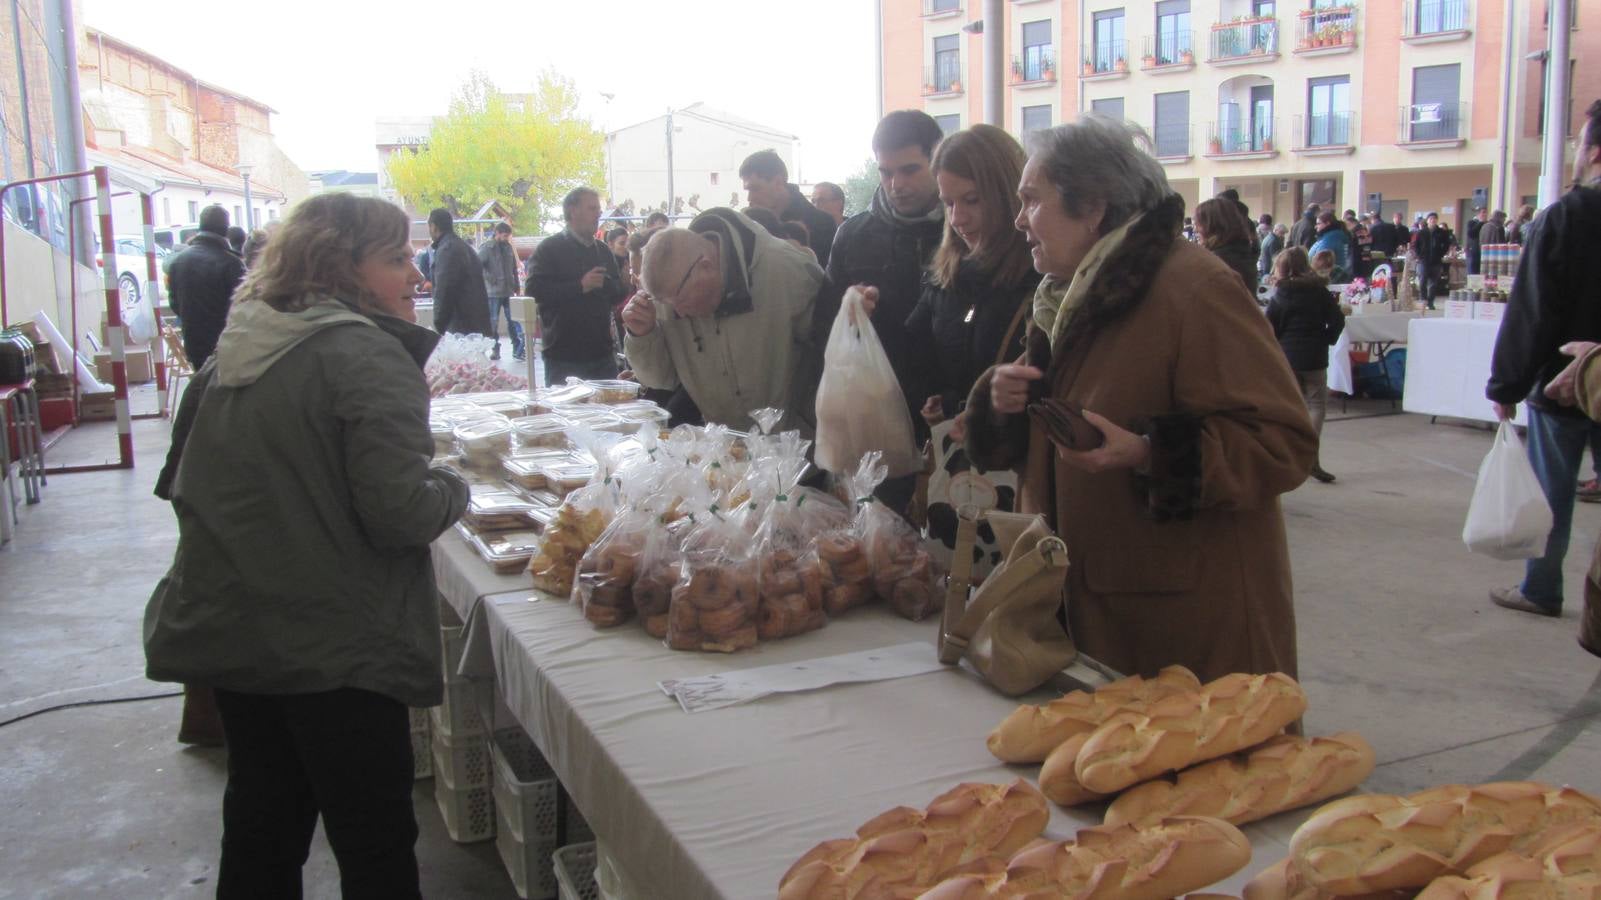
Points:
(526, 151)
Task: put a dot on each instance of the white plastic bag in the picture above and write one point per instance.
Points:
(860, 407)
(1509, 517)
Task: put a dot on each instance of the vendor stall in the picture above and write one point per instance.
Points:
(1448, 365)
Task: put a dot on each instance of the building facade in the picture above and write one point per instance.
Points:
(1352, 104)
(708, 146)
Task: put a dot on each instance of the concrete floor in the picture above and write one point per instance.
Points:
(1397, 640)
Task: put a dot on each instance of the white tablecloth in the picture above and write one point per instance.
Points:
(1447, 367)
(721, 803)
(463, 577)
(1369, 328)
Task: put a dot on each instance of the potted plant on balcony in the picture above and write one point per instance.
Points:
(1017, 71)
(956, 86)
(1214, 146)
(1186, 57)
(1121, 64)
(1089, 68)
(1047, 71)
(1148, 60)
(1267, 145)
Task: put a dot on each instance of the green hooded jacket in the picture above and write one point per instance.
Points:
(306, 501)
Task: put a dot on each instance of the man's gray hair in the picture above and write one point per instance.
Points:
(1099, 159)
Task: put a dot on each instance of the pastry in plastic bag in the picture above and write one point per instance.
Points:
(714, 604)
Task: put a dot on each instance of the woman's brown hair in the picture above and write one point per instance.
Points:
(1220, 221)
(314, 254)
(1292, 262)
(993, 161)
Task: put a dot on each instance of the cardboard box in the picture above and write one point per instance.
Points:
(1459, 309)
(51, 386)
(55, 412)
(1488, 312)
(139, 365)
(97, 407)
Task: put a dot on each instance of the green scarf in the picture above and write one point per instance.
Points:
(1056, 299)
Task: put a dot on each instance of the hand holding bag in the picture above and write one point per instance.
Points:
(1009, 631)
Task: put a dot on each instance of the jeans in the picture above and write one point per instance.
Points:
(1556, 447)
(343, 754)
(514, 329)
(557, 371)
(1314, 385)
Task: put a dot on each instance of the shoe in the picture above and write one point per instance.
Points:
(1321, 475)
(520, 357)
(495, 353)
(1512, 598)
(1589, 491)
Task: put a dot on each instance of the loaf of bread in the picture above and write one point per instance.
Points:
(1114, 862)
(1058, 778)
(1567, 865)
(971, 828)
(1030, 733)
(1280, 881)
(1225, 716)
(1284, 773)
(1383, 842)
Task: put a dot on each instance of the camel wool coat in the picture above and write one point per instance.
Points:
(1188, 563)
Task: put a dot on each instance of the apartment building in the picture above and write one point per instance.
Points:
(1346, 103)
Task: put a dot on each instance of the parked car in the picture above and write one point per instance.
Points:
(132, 273)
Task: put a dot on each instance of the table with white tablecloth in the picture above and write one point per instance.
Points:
(1381, 330)
(1447, 367)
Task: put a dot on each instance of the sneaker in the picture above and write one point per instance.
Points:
(1589, 491)
(1512, 598)
(1321, 475)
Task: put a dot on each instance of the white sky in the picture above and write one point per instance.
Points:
(330, 67)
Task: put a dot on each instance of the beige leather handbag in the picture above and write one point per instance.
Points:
(1009, 630)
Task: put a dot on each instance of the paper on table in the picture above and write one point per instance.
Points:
(733, 688)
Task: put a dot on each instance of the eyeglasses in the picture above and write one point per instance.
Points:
(688, 273)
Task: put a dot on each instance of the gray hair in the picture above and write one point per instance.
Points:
(1281, 229)
(1099, 159)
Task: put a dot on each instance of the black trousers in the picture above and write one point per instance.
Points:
(344, 754)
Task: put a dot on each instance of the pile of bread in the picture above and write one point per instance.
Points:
(983, 841)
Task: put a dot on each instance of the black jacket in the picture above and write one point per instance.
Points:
(1386, 237)
(1307, 321)
(878, 249)
(1304, 232)
(1556, 298)
(1241, 256)
(1434, 243)
(576, 325)
(1474, 225)
(965, 324)
(1272, 245)
(461, 302)
(202, 281)
(820, 225)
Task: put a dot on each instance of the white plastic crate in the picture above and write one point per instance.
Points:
(575, 872)
(459, 716)
(469, 814)
(529, 865)
(461, 762)
(419, 719)
(525, 786)
(422, 757)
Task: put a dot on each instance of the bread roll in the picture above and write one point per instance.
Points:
(1030, 733)
(1284, 773)
(1058, 780)
(1226, 716)
(1383, 842)
(1115, 863)
(904, 851)
(1280, 881)
(1568, 864)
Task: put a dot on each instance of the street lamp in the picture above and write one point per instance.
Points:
(244, 170)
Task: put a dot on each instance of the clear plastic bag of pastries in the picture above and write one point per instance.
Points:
(790, 593)
(837, 556)
(713, 606)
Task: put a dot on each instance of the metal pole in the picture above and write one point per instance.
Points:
(1504, 196)
(158, 347)
(994, 65)
(119, 357)
(250, 219)
(69, 108)
(22, 89)
(1556, 106)
(671, 208)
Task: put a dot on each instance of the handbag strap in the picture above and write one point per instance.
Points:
(958, 587)
(960, 621)
(1011, 330)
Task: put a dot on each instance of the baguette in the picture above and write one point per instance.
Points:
(1058, 780)
(1383, 842)
(904, 851)
(1567, 864)
(1284, 773)
(1226, 716)
(1030, 733)
(1120, 862)
(1280, 881)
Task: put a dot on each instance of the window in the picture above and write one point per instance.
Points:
(1319, 191)
(949, 124)
(272, 215)
(1328, 112)
(1173, 124)
(1435, 113)
(1436, 16)
(1036, 118)
(1263, 9)
(166, 210)
(255, 216)
(1111, 44)
(238, 215)
(194, 211)
(1109, 106)
(1545, 71)
(947, 62)
(714, 178)
(1037, 57)
(940, 6)
(1172, 30)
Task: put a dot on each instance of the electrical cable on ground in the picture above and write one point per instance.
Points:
(37, 712)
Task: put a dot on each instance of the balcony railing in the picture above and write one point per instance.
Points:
(942, 78)
(1424, 122)
(933, 8)
(1231, 137)
(1171, 141)
(1168, 48)
(1243, 38)
(1105, 57)
(1325, 131)
(1426, 17)
(1036, 65)
(1327, 28)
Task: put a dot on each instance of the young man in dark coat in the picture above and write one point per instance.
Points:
(500, 281)
(1304, 232)
(574, 279)
(767, 186)
(201, 280)
(461, 301)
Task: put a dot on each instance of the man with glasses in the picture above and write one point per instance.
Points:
(725, 312)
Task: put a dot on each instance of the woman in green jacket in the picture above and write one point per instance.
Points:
(302, 589)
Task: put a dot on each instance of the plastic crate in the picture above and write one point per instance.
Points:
(422, 757)
(575, 872)
(419, 720)
(529, 865)
(525, 786)
(459, 716)
(461, 762)
(469, 814)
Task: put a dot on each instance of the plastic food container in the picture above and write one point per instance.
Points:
(614, 392)
(498, 511)
(595, 418)
(548, 430)
(640, 413)
(526, 474)
(485, 435)
(563, 396)
(563, 478)
(507, 552)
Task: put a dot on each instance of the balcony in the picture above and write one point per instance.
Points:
(1433, 126)
(1241, 140)
(1326, 31)
(1328, 134)
(1171, 143)
(1435, 21)
(1243, 41)
(1105, 60)
(942, 81)
(1036, 67)
(939, 9)
(1171, 51)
